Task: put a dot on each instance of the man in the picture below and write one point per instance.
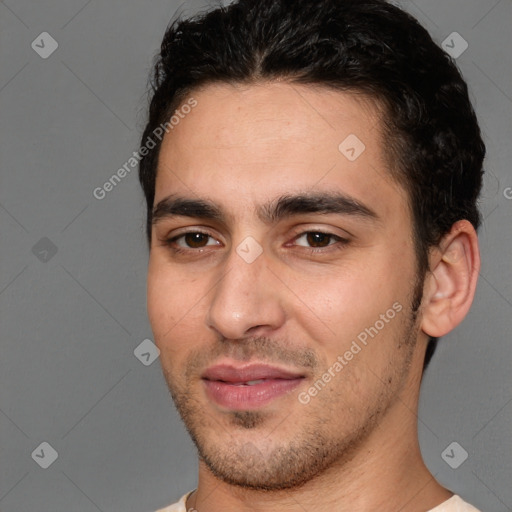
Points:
(311, 221)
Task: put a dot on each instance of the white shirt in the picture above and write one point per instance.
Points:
(453, 504)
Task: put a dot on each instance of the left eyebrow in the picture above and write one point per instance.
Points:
(283, 207)
(318, 203)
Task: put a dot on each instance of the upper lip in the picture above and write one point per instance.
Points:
(255, 371)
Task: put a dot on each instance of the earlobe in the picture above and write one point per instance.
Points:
(450, 286)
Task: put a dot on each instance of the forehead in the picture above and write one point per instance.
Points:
(244, 143)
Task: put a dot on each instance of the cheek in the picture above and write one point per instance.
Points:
(165, 299)
(344, 302)
(174, 306)
(155, 297)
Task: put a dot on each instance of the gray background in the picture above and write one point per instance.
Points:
(71, 319)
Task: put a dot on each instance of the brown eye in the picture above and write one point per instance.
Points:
(319, 242)
(195, 240)
(191, 240)
(318, 239)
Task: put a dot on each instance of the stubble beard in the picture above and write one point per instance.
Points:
(316, 448)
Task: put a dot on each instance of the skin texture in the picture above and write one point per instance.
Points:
(353, 445)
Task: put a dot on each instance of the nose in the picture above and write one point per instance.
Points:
(247, 300)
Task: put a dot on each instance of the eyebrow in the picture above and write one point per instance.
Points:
(283, 207)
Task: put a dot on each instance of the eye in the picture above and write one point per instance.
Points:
(319, 239)
(191, 240)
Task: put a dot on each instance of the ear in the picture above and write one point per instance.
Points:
(451, 283)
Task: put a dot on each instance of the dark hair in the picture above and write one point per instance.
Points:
(434, 146)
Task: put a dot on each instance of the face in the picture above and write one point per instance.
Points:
(281, 277)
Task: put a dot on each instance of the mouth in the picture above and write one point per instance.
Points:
(248, 387)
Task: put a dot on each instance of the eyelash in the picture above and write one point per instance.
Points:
(340, 242)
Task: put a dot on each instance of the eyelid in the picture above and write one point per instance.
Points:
(336, 238)
(301, 230)
(175, 236)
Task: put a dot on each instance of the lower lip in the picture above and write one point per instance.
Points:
(242, 397)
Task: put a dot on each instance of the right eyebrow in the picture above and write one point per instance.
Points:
(172, 206)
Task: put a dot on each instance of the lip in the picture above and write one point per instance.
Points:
(242, 373)
(226, 384)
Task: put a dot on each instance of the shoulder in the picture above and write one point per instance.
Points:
(179, 506)
(454, 504)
